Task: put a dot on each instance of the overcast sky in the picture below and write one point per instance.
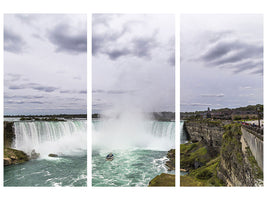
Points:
(45, 64)
(133, 62)
(221, 61)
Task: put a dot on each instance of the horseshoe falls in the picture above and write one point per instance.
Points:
(139, 147)
(67, 139)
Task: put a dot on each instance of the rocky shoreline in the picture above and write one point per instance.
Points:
(13, 156)
(166, 179)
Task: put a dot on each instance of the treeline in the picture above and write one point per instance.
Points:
(249, 108)
(246, 108)
(159, 116)
(65, 116)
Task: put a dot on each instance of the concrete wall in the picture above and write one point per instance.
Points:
(256, 146)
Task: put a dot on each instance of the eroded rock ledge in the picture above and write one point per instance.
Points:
(166, 179)
(13, 156)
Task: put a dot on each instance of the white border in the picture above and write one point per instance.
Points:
(124, 6)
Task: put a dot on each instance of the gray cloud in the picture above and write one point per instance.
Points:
(27, 18)
(24, 96)
(73, 91)
(67, 91)
(61, 37)
(17, 87)
(45, 88)
(36, 102)
(234, 54)
(116, 53)
(83, 92)
(143, 46)
(99, 40)
(13, 77)
(137, 46)
(13, 42)
(114, 91)
(98, 91)
(23, 102)
(33, 86)
(212, 95)
(77, 78)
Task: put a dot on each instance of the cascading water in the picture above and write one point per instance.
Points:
(152, 135)
(139, 148)
(183, 135)
(66, 137)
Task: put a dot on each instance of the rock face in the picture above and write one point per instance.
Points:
(13, 156)
(166, 179)
(209, 132)
(9, 134)
(163, 180)
(237, 167)
(236, 164)
(171, 162)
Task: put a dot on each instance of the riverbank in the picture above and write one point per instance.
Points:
(13, 156)
(165, 179)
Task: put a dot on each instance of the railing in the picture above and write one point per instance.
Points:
(258, 132)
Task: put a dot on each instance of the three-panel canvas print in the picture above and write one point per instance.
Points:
(134, 135)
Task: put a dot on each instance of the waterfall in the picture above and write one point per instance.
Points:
(114, 134)
(163, 129)
(63, 137)
(183, 135)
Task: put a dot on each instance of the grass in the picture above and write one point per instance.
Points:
(206, 175)
(163, 180)
(191, 153)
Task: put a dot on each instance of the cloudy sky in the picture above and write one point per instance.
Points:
(44, 64)
(221, 61)
(133, 64)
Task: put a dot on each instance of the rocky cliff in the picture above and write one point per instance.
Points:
(12, 156)
(9, 134)
(166, 179)
(208, 132)
(236, 164)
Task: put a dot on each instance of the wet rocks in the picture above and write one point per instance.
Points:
(13, 156)
(52, 155)
(34, 155)
(171, 162)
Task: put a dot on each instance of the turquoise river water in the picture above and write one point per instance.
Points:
(66, 138)
(139, 150)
